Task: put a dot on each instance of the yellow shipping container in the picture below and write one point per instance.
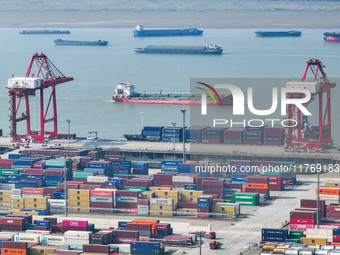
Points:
(148, 194)
(279, 251)
(333, 184)
(18, 201)
(308, 240)
(188, 199)
(36, 206)
(36, 200)
(76, 159)
(186, 212)
(268, 247)
(224, 209)
(79, 198)
(168, 193)
(161, 213)
(78, 203)
(159, 188)
(25, 213)
(18, 206)
(78, 192)
(5, 193)
(41, 250)
(6, 200)
(191, 193)
(79, 210)
(162, 207)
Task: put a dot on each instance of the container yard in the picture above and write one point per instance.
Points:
(34, 181)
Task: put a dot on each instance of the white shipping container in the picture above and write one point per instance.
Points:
(32, 195)
(97, 178)
(30, 238)
(321, 252)
(127, 199)
(330, 197)
(319, 233)
(15, 191)
(7, 235)
(75, 241)
(143, 207)
(327, 247)
(15, 196)
(59, 246)
(38, 232)
(291, 252)
(187, 179)
(161, 201)
(56, 202)
(101, 199)
(53, 239)
(71, 234)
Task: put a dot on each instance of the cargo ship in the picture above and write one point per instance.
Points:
(140, 31)
(81, 43)
(45, 32)
(291, 33)
(209, 49)
(125, 93)
(332, 36)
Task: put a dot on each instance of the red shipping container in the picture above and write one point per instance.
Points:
(336, 238)
(257, 179)
(96, 248)
(333, 215)
(33, 171)
(102, 204)
(139, 226)
(125, 233)
(12, 221)
(123, 240)
(302, 221)
(333, 209)
(303, 214)
(102, 193)
(127, 193)
(143, 202)
(126, 205)
(312, 203)
(275, 188)
(161, 226)
(263, 163)
(215, 201)
(53, 173)
(14, 245)
(252, 142)
(187, 205)
(273, 143)
(6, 161)
(36, 191)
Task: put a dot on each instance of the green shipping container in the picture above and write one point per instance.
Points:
(295, 234)
(242, 182)
(228, 201)
(139, 189)
(243, 202)
(56, 163)
(271, 172)
(245, 196)
(9, 171)
(82, 174)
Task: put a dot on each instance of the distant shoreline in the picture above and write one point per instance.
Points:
(108, 19)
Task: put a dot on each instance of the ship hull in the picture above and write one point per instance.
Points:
(332, 39)
(278, 33)
(81, 43)
(150, 33)
(225, 101)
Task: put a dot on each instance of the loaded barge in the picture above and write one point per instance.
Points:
(332, 36)
(169, 49)
(44, 32)
(81, 43)
(292, 33)
(140, 31)
(125, 93)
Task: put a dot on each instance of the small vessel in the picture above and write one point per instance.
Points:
(44, 32)
(170, 49)
(81, 43)
(125, 93)
(140, 31)
(332, 36)
(291, 33)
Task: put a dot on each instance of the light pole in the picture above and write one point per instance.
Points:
(68, 124)
(183, 111)
(174, 135)
(200, 234)
(65, 184)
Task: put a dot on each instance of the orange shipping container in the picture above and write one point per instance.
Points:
(147, 221)
(329, 191)
(257, 185)
(13, 251)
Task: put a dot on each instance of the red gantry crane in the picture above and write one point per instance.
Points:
(21, 88)
(302, 136)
